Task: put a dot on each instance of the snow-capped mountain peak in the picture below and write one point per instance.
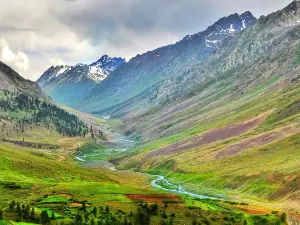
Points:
(223, 28)
(52, 73)
(96, 72)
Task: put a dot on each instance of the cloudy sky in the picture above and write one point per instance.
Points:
(35, 34)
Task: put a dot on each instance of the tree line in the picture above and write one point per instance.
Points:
(39, 111)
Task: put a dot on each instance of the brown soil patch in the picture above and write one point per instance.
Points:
(253, 211)
(209, 137)
(154, 198)
(61, 158)
(64, 195)
(53, 204)
(288, 190)
(78, 204)
(257, 141)
(31, 144)
(293, 219)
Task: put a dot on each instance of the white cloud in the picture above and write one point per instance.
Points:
(21, 62)
(18, 61)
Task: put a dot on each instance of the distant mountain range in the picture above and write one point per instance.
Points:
(78, 80)
(141, 72)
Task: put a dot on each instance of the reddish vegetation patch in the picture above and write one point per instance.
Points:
(288, 188)
(256, 142)
(154, 198)
(272, 88)
(209, 137)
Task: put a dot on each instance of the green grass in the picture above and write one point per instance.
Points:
(55, 199)
(264, 174)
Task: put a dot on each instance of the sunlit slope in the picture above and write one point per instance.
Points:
(246, 148)
(29, 174)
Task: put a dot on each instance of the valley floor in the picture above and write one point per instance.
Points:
(54, 179)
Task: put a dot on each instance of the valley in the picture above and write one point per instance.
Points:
(202, 131)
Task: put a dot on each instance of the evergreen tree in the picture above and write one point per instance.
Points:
(53, 216)
(32, 214)
(1, 214)
(19, 209)
(93, 222)
(44, 217)
(12, 205)
(107, 209)
(95, 211)
(26, 212)
(83, 207)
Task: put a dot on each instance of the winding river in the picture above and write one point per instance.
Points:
(121, 145)
(162, 183)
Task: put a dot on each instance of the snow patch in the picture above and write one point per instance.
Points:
(209, 42)
(231, 29)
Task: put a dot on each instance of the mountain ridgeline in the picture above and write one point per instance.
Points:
(10, 80)
(147, 70)
(230, 59)
(78, 79)
(23, 106)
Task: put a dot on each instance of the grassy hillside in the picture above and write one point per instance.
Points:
(38, 171)
(247, 149)
(67, 192)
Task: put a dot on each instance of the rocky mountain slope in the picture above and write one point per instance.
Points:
(78, 79)
(230, 122)
(258, 54)
(146, 70)
(10, 80)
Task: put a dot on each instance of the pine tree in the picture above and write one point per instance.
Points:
(32, 214)
(12, 205)
(1, 214)
(19, 210)
(107, 209)
(93, 222)
(44, 217)
(53, 216)
(95, 211)
(26, 212)
(83, 207)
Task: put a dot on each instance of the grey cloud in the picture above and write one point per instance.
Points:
(109, 20)
(73, 31)
(16, 29)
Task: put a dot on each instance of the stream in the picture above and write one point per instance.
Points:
(122, 144)
(162, 183)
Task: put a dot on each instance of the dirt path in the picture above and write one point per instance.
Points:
(211, 136)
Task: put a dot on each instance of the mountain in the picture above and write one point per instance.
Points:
(11, 80)
(146, 70)
(78, 79)
(221, 135)
(229, 123)
(263, 58)
(51, 74)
